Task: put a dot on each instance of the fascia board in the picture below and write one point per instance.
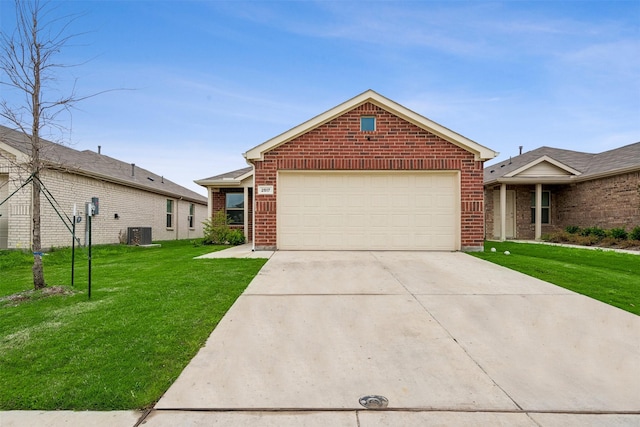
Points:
(20, 156)
(481, 152)
(257, 153)
(534, 180)
(245, 176)
(243, 181)
(559, 180)
(539, 160)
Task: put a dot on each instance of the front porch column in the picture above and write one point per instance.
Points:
(538, 211)
(209, 202)
(503, 212)
(245, 205)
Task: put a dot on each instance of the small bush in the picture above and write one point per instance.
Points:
(572, 229)
(597, 232)
(216, 229)
(589, 240)
(624, 244)
(218, 232)
(235, 237)
(608, 242)
(635, 233)
(557, 237)
(618, 233)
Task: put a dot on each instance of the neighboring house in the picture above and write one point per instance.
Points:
(367, 174)
(548, 189)
(128, 196)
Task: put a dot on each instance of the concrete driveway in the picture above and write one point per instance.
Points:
(447, 338)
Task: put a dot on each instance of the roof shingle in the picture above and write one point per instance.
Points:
(99, 166)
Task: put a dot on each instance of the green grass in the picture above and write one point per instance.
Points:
(151, 310)
(610, 277)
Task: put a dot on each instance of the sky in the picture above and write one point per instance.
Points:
(191, 85)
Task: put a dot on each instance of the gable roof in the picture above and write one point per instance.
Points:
(481, 152)
(229, 179)
(96, 165)
(572, 165)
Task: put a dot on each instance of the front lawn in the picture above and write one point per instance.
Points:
(610, 277)
(151, 310)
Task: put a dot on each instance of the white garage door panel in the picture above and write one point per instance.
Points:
(368, 210)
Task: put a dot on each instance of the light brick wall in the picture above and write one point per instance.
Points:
(607, 203)
(395, 145)
(135, 208)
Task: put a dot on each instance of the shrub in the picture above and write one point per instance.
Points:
(618, 233)
(557, 237)
(235, 237)
(608, 242)
(597, 232)
(589, 240)
(624, 244)
(216, 229)
(218, 232)
(635, 233)
(572, 229)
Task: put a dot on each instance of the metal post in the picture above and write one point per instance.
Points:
(89, 225)
(73, 248)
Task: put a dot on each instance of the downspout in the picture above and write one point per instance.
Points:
(178, 219)
(253, 211)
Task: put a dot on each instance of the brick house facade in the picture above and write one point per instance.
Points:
(583, 189)
(129, 196)
(402, 143)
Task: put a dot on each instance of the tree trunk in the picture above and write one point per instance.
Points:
(38, 271)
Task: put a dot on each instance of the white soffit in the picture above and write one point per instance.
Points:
(481, 152)
(536, 168)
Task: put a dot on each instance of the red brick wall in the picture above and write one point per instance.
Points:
(395, 145)
(219, 202)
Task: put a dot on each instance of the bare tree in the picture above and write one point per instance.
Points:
(28, 64)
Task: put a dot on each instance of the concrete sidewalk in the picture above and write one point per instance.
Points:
(448, 339)
(240, 251)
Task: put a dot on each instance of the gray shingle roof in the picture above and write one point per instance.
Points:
(229, 175)
(589, 165)
(99, 166)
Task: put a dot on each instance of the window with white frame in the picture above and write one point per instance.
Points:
(367, 123)
(235, 208)
(546, 207)
(190, 218)
(169, 213)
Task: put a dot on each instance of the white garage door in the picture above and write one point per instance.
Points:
(368, 210)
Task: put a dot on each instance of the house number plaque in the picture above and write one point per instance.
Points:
(265, 189)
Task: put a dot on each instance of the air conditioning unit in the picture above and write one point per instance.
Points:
(137, 236)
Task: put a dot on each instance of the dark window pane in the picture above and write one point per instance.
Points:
(236, 217)
(235, 201)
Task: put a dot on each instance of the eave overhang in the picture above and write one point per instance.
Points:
(542, 159)
(240, 181)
